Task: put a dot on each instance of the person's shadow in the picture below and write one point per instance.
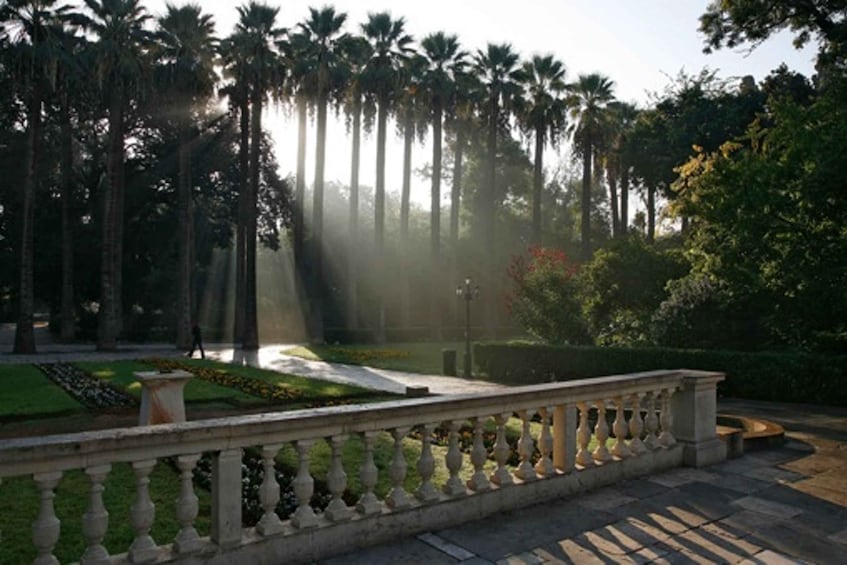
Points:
(245, 357)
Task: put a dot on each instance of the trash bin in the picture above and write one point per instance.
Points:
(448, 362)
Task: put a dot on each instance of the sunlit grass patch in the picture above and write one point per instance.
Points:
(421, 357)
(26, 391)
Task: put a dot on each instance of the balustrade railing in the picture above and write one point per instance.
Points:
(659, 419)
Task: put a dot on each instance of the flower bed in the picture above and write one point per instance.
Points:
(89, 391)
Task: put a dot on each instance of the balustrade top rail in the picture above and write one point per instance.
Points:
(85, 449)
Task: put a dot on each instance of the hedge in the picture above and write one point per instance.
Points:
(787, 377)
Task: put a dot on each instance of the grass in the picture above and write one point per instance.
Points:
(26, 392)
(419, 357)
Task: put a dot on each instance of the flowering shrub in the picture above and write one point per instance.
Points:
(545, 296)
(89, 391)
(254, 387)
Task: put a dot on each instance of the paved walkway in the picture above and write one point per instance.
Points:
(784, 505)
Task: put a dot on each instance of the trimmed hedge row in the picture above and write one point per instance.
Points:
(786, 377)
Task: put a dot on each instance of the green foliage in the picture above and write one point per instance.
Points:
(25, 391)
(545, 300)
(785, 377)
(623, 285)
(412, 357)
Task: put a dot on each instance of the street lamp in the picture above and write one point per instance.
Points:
(467, 292)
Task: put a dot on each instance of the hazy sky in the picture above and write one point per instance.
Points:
(636, 43)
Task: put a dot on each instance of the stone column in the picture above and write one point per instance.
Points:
(694, 410)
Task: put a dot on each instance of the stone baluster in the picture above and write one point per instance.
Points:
(336, 481)
(620, 449)
(454, 485)
(426, 467)
(479, 455)
(501, 475)
(187, 539)
(565, 422)
(269, 524)
(666, 438)
(651, 440)
(95, 521)
(225, 529)
(398, 497)
(142, 514)
(636, 426)
(46, 527)
(583, 437)
(544, 466)
(601, 432)
(525, 470)
(304, 487)
(368, 503)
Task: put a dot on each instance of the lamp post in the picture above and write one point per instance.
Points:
(468, 293)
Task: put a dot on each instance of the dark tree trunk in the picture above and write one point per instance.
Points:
(405, 284)
(316, 326)
(455, 196)
(251, 323)
(379, 217)
(186, 231)
(24, 330)
(300, 204)
(352, 251)
(490, 301)
(68, 327)
(240, 240)
(537, 185)
(585, 231)
(624, 221)
(613, 201)
(651, 213)
(437, 291)
(107, 324)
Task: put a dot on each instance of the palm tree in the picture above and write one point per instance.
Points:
(589, 96)
(120, 53)
(499, 74)
(445, 62)
(390, 45)
(542, 113)
(33, 27)
(257, 28)
(358, 52)
(621, 117)
(186, 50)
(325, 48)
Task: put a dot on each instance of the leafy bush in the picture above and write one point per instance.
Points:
(786, 377)
(545, 299)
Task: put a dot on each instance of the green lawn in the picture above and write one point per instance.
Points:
(419, 357)
(25, 392)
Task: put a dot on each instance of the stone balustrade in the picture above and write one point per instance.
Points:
(660, 419)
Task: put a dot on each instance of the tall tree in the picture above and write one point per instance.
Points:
(499, 73)
(624, 115)
(542, 113)
(186, 52)
(390, 45)
(122, 65)
(325, 48)
(445, 62)
(33, 26)
(257, 26)
(589, 96)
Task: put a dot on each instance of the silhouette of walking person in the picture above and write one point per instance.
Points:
(197, 341)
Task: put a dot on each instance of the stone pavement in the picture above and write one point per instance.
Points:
(784, 505)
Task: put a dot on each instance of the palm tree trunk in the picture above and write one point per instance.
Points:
(300, 204)
(624, 219)
(537, 185)
(240, 240)
(585, 231)
(352, 255)
(379, 216)
(185, 230)
(107, 324)
(68, 328)
(651, 213)
(455, 196)
(490, 302)
(318, 286)
(436, 292)
(24, 331)
(251, 324)
(405, 195)
(613, 200)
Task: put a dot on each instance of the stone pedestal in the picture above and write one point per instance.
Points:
(161, 397)
(695, 419)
